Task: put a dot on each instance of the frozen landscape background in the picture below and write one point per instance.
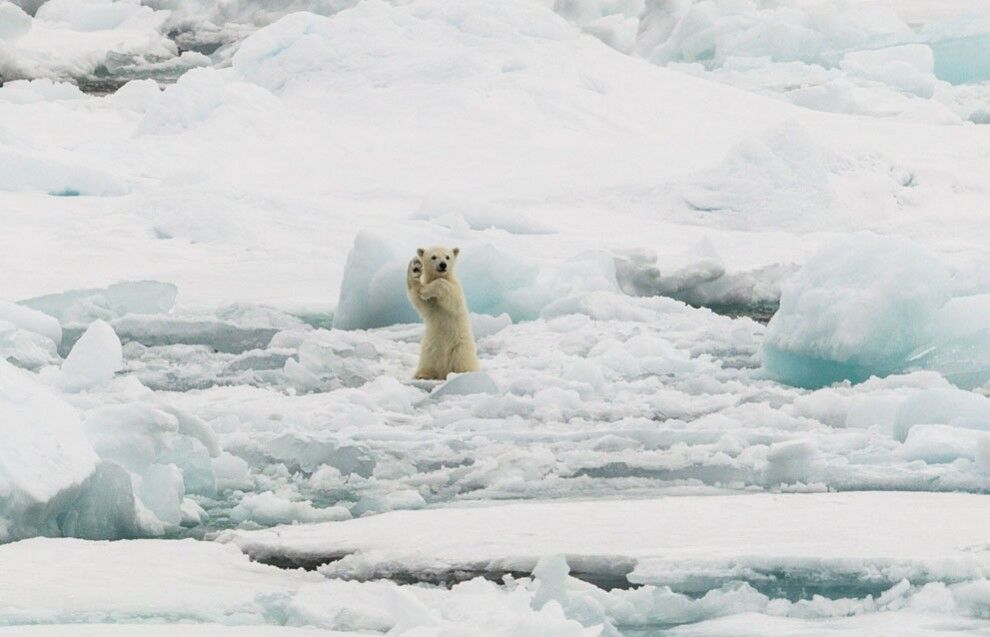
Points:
(728, 268)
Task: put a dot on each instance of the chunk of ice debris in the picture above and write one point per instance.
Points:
(469, 383)
(858, 308)
(269, 509)
(94, 359)
(31, 320)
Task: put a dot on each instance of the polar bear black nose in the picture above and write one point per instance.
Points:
(442, 266)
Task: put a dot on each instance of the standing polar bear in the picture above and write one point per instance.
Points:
(448, 344)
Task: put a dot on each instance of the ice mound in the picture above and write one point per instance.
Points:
(860, 307)
(81, 307)
(94, 359)
(780, 175)
(466, 215)
(44, 459)
(42, 90)
(373, 291)
(197, 97)
(24, 171)
(302, 45)
(14, 22)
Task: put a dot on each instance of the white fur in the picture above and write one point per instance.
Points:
(448, 344)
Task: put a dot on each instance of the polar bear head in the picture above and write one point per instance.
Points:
(438, 261)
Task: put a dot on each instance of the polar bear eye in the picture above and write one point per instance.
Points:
(434, 257)
(447, 257)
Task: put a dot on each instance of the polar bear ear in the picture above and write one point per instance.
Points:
(457, 251)
(420, 251)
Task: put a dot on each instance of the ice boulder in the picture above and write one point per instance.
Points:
(860, 307)
(44, 455)
(94, 359)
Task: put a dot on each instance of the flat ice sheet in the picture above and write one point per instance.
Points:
(938, 533)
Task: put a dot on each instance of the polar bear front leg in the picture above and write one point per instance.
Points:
(438, 289)
(414, 273)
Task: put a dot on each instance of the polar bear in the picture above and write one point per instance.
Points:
(448, 344)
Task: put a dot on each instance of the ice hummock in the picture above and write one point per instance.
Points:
(859, 308)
